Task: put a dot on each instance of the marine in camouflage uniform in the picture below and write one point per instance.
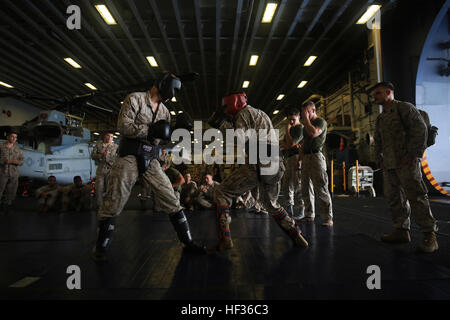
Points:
(292, 178)
(105, 153)
(400, 141)
(11, 157)
(205, 198)
(248, 176)
(188, 192)
(139, 111)
(48, 195)
(314, 167)
(76, 196)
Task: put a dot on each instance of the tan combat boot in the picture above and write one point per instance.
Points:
(429, 243)
(397, 236)
(299, 241)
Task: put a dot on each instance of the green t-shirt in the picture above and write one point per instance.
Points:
(296, 133)
(314, 145)
(173, 174)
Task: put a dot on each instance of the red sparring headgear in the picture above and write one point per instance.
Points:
(234, 102)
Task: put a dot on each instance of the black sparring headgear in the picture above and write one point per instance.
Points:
(167, 84)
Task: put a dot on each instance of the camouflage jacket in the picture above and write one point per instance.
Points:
(105, 163)
(252, 118)
(136, 115)
(399, 131)
(209, 194)
(189, 189)
(14, 153)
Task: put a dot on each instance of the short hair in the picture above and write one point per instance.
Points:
(308, 104)
(13, 132)
(77, 178)
(51, 177)
(292, 112)
(383, 84)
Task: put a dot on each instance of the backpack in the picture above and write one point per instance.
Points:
(432, 130)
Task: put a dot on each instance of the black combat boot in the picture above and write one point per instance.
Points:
(181, 227)
(105, 232)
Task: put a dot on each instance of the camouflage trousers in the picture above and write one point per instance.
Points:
(292, 184)
(246, 178)
(204, 202)
(314, 170)
(10, 184)
(123, 177)
(50, 200)
(404, 190)
(101, 180)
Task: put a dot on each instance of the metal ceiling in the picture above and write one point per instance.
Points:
(213, 38)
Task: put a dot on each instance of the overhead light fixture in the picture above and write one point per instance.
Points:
(6, 85)
(302, 84)
(173, 113)
(181, 111)
(114, 136)
(90, 86)
(152, 61)
(72, 62)
(106, 15)
(245, 84)
(368, 14)
(276, 111)
(174, 99)
(269, 12)
(253, 60)
(117, 133)
(280, 97)
(121, 102)
(96, 134)
(310, 61)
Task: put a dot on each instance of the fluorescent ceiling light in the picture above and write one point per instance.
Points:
(269, 12)
(302, 84)
(173, 113)
(152, 61)
(181, 111)
(117, 133)
(253, 60)
(6, 85)
(174, 99)
(106, 15)
(245, 84)
(96, 134)
(368, 14)
(114, 136)
(276, 111)
(280, 97)
(90, 86)
(310, 61)
(72, 62)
